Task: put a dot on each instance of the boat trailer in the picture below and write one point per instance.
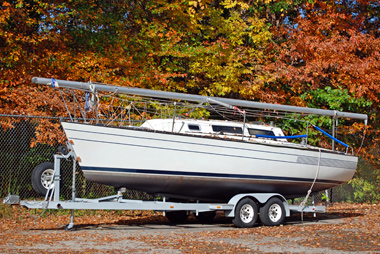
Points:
(242, 207)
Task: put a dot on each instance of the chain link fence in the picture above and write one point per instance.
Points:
(18, 159)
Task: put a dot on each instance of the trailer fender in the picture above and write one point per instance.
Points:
(262, 198)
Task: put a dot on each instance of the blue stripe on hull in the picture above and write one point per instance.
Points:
(204, 174)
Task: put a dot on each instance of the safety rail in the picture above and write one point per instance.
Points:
(305, 136)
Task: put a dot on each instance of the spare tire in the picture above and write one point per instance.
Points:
(42, 176)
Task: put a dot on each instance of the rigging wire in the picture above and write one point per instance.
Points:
(114, 109)
(361, 145)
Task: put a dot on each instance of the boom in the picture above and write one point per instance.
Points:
(194, 98)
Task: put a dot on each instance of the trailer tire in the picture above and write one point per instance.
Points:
(246, 213)
(41, 177)
(176, 217)
(205, 217)
(273, 212)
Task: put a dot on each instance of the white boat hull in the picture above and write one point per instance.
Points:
(184, 166)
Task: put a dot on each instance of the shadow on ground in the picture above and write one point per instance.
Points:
(156, 222)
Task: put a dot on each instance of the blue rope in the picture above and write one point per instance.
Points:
(290, 137)
(328, 135)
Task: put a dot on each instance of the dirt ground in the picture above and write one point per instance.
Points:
(345, 228)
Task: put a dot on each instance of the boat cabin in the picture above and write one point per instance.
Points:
(216, 128)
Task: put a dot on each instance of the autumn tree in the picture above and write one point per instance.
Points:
(206, 47)
(328, 57)
(312, 53)
(203, 47)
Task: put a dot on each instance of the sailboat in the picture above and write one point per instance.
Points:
(203, 159)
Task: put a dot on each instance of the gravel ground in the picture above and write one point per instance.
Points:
(337, 231)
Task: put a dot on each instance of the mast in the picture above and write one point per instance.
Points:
(194, 98)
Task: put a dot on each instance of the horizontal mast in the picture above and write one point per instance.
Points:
(194, 98)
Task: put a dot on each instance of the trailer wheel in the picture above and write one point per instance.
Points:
(41, 177)
(206, 217)
(176, 217)
(245, 213)
(273, 212)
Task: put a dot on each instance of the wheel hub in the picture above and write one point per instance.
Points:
(46, 177)
(275, 212)
(246, 213)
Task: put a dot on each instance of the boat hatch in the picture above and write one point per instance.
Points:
(227, 129)
(194, 127)
(260, 132)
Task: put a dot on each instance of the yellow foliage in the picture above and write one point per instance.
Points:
(234, 3)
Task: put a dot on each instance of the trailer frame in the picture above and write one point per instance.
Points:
(116, 202)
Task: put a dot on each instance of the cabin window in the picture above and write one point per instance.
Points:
(194, 127)
(227, 129)
(260, 132)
